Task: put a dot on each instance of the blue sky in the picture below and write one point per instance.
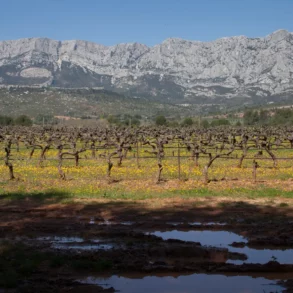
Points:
(145, 21)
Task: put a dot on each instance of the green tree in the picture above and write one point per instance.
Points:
(282, 117)
(6, 120)
(135, 122)
(205, 123)
(45, 119)
(220, 122)
(113, 120)
(137, 116)
(131, 122)
(161, 120)
(187, 122)
(23, 120)
(251, 117)
(264, 117)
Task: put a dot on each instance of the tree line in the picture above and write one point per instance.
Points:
(251, 117)
(21, 120)
(282, 116)
(188, 121)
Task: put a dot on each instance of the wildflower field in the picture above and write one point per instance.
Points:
(146, 163)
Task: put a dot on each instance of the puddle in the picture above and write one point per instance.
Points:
(187, 284)
(128, 223)
(197, 223)
(108, 223)
(207, 224)
(76, 243)
(174, 223)
(223, 239)
(263, 256)
(61, 239)
(206, 238)
(84, 246)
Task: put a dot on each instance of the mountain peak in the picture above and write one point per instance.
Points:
(279, 35)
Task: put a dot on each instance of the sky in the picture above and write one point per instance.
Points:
(149, 22)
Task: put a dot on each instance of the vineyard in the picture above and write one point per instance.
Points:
(162, 154)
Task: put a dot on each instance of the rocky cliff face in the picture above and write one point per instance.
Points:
(177, 70)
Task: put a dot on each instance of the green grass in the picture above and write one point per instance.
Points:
(121, 194)
(53, 195)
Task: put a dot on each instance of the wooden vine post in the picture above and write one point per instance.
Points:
(255, 166)
(60, 157)
(179, 162)
(137, 155)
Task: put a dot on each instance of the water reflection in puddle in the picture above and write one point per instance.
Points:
(207, 238)
(61, 239)
(197, 223)
(263, 256)
(207, 224)
(76, 243)
(127, 223)
(174, 223)
(223, 239)
(84, 246)
(109, 223)
(187, 284)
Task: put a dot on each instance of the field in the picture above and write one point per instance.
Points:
(80, 208)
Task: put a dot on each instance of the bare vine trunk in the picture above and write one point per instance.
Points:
(241, 160)
(110, 165)
(76, 158)
(61, 172)
(272, 155)
(8, 164)
(32, 152)
(43, 156)
(160, 166)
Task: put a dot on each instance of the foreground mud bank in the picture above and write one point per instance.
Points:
(121, 247)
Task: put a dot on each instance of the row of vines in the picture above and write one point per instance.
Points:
(114, 147)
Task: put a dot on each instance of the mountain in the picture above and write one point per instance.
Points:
(230, 69)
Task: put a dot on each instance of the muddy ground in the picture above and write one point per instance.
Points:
(127, 238)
